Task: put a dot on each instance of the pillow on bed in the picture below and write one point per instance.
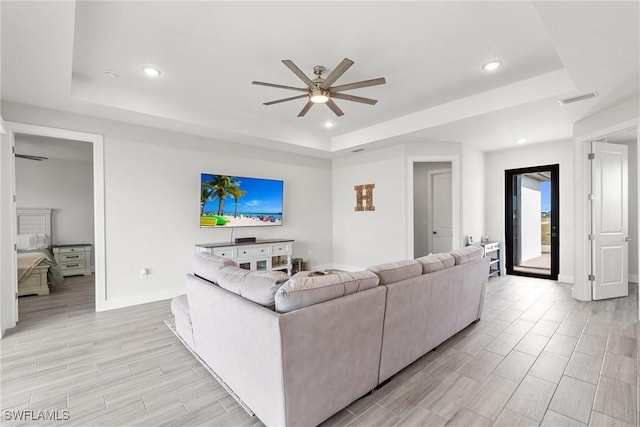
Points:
(26, 242)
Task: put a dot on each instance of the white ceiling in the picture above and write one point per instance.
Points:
(54, 148)
(54, 55)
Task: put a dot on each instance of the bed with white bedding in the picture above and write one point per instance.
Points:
(37, 268)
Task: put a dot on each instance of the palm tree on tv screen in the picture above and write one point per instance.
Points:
(235, 192)
(205, 194)
(220, 186)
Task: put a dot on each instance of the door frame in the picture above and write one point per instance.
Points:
(97, 140)
(555, 219)
(430, 175)
(456, 199)
(581, 289)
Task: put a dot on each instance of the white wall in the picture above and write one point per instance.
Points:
(560, 152)
(474, 189)
(362, 239)
(530, 229)
(421, 205)
(152, 186)
(633, 210)
(64, 185)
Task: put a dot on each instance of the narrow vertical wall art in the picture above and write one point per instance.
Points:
(364, 197)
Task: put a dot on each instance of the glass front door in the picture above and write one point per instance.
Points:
(532, 215)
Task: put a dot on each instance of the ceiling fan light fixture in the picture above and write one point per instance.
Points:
(319, 96)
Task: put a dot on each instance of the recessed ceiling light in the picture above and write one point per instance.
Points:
(328, 124)
(110, 75)
(151, 71)
(521, 141)
(493, 65)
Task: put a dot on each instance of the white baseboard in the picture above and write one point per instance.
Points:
(565, 279)
(112, 304)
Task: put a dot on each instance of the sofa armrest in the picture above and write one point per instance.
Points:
(241, 342)
(331, 354)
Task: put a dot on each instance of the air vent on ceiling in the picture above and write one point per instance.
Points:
(577, 98)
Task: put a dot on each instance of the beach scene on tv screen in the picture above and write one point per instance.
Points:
(234, 201)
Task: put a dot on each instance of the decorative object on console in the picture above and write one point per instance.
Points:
(320, 90)
(234, 201)
(364, 197)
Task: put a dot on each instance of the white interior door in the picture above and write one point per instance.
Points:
(441, 212)
(609, 209)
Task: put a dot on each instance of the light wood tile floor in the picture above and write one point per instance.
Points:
(537, 357)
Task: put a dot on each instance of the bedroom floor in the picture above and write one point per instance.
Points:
(537, 357)
(74, 296)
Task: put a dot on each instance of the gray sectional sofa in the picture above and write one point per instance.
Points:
(297, 350)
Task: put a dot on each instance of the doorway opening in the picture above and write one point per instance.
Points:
(57, 174)
(11, 306)
(432, 208)
(532, 221)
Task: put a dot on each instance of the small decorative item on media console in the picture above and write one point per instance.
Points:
(484, 239)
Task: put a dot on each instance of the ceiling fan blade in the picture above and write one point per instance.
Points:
(353, 98)
(334, 108)
(300, 89)
(298, 72)
(357, 85)
(285, 99)
(335, 74)
(30, 157)
(306, 108)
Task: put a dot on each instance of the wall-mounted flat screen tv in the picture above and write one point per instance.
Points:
(237, 201)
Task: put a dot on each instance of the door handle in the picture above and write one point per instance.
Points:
(627, 239)
(435, 232)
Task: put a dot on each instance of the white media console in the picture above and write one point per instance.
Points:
(272, 254)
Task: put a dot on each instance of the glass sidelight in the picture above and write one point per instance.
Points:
(532, 221)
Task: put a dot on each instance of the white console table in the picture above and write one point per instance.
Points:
(272, 254)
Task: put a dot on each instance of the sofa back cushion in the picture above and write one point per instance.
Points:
(259, 286)
(396, 271)
(208, 265)
(467, 254)
(302, 290)
(435, 262)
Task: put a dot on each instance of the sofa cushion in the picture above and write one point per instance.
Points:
(467, 254)
(258, 286)
(396, 271)
(435, 262)
(302, 290)
(207, 265)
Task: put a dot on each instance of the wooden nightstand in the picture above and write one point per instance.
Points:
(73, 260)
